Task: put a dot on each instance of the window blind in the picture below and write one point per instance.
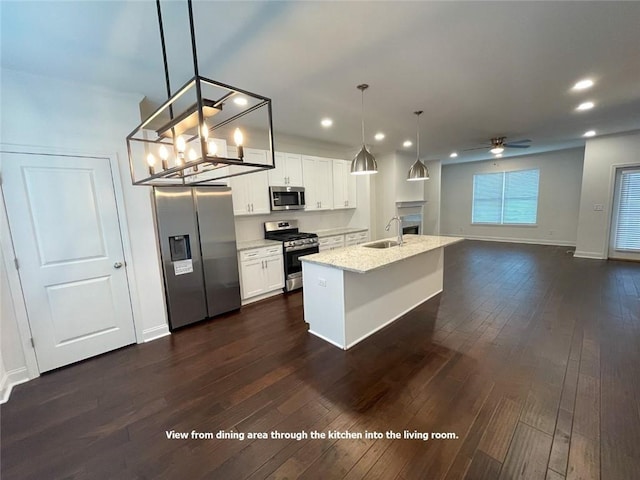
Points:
(506, 198)
(628, 225)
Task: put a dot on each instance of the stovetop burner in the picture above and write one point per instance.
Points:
(287, 232)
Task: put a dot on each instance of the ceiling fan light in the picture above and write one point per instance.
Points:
(418, 171)
(497, 150)
(364, 163)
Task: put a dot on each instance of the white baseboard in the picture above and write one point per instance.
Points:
(11, 379)
(530, 241)
(155, 333)
(592, 255)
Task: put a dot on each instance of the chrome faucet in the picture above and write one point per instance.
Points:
(399, 220)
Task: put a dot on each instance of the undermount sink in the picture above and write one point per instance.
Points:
(383, 244)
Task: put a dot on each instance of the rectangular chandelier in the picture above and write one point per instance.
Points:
(205, 132)
(199, 136)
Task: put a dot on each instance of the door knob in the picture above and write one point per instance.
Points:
(117, 265)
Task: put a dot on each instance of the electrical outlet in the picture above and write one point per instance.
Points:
(322, 282)
(551, 233)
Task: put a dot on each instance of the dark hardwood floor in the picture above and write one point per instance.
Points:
(531, 358)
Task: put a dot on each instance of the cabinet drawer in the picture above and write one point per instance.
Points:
(262, 252)
(275, 250)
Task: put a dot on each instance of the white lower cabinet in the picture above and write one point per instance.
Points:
(357, 238)
(331, 243)
(261, 271)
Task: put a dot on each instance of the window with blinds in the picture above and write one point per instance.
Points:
(628, 215)
(506, 198)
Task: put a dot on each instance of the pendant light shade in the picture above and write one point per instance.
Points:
(418, 170)
(364, 163)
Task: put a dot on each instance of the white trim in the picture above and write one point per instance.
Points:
(611, 196)
(326, 339)
(155, 332)
(591, 255)
(392, 320)
(134, 298)
(10, 380)
(15, 289)
(532, 241)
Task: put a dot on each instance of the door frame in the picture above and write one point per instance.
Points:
(15, 283)
(612, 200)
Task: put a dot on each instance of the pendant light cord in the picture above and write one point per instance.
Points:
(192, 30)
(417, 114)
(362, 116)
(418, 136)
(164, 56)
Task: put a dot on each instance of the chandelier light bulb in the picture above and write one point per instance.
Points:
(212, 148)
(181, 144)
(193, 156)
(151, 161)
(239, 138)
(205, 131)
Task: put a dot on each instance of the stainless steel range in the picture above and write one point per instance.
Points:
(295, 244)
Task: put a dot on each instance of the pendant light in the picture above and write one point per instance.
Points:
(364, 163)
(418, 170)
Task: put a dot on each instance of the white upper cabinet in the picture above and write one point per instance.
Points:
(317, 174)
(344, 185)
(254, 155)
(250, 192)
(288, 171)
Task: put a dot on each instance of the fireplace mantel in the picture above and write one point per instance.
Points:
(409, 204)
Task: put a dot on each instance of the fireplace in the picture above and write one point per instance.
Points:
(411, 215)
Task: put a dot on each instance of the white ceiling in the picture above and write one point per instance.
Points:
(477, 69)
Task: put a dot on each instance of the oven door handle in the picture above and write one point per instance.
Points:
(301, 247)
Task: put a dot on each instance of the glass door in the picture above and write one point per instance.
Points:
(624, 241)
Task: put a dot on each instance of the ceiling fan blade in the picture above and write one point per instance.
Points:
(518, 141)
(510, 145)
(477, 148)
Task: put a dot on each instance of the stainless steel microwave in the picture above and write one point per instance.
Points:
(287, 198)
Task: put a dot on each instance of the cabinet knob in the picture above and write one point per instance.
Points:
(117, 265)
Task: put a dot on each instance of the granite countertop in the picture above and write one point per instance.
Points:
(338, 231)
(261, 242)
(360, 259)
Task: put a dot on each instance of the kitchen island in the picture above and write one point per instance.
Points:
(351, 293)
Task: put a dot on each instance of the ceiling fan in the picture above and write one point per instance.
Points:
(498, 144)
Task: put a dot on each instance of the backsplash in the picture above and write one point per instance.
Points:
(252, 227)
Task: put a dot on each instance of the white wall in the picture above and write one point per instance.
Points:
(432, 188)
(385, 199)
(558, 201)
(42, 114)
(602, 156)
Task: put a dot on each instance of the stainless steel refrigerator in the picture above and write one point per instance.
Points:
(198, 246)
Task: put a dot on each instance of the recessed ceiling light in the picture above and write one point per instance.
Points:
(590, 133)
(453, 155)
(379, 136)
(407, 143)
(585, 106)
(583, 84)
(326, 122)
(240, 101)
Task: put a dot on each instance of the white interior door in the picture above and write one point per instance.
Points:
(65, 228)
(624, 241)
